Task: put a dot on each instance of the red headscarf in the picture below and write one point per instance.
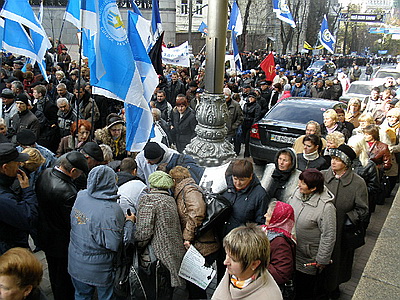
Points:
(282, 220)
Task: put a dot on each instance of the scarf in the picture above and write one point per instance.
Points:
(391, 132)
(240, 284)
(311, 156)
(282, 220)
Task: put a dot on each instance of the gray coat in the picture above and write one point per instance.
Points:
(158, 223)
(315, 229)
(97, 224)
(351, 202)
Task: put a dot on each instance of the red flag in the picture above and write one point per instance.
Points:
(268, 66)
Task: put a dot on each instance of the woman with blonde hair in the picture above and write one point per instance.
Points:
(331, 124)
(366, 168)
(353, 112)
(20, 275)
(247, 258)
(364, 120)
(390, 134)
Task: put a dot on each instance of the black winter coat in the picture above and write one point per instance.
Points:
(251, 114)
(183, 128)
(56, 195)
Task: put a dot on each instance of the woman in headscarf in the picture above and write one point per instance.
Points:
(279, 227)
(315, 217)
(280, 178)
(158, 224)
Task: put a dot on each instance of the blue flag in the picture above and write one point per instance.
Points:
(203, 28)
(139, 121)
(135, 9)
(17, 40)
(282, 11)
(325, 36)
(83, 14)
(156, 25)
(235, 20)
(236, 55)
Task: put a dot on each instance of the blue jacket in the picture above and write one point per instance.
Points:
(299, 92)
(97, 224)
(249, 204)
(18, 215)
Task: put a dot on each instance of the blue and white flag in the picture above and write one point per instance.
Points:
(135, 9)
(82, 14)
(156, 25)
(203, 28)
(281, 8)
(121, 79)
(139, 121)
(235, 20)
(325, 36)
(236, 55)
(40, 14)
(16, 39)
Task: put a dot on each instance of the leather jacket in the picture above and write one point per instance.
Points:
(56, 195)
(379, 153)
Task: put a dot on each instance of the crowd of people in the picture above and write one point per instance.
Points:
(68, 182)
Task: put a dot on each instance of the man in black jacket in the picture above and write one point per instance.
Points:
(57, 193)
(174, 88)
(24, 118)
(18, 211)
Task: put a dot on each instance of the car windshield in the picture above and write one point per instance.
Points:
(364, 89)
(384, 74)
(318, 64)
(290, 111)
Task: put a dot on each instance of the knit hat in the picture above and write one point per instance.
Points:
(94, 151)
(26, 137)
(153, 150)
(161, 180)
(345, 153)
(22, 98)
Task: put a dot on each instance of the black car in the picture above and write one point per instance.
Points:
(284, 123)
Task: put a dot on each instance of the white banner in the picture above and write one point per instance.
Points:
(178, 56)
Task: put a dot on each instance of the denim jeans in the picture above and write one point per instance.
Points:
(85, 291)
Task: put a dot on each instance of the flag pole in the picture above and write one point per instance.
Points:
(79, 87)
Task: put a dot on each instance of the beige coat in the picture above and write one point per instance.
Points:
(257, 290)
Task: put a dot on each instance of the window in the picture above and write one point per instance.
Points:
(199, 7)
(184, 7)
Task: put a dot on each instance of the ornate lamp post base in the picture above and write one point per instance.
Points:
(210, 148)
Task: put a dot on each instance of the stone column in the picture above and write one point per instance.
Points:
(210, 148)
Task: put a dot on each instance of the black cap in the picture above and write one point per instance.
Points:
(78, 160)
(7, 93)
(247, 86)
(94, 151)
(193, 84)
(11, 79)
(153, 150)
(263, 83)
(298, 80)
(22, 98)
(113, 119)
(26, 137)
(252, 94)
(394, 101)
(8, 153)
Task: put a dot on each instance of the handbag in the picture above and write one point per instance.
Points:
(287, 290)
(353, 235)
(217, 212)
(122, 264)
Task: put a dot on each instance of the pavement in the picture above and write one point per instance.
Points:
(347, 289)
